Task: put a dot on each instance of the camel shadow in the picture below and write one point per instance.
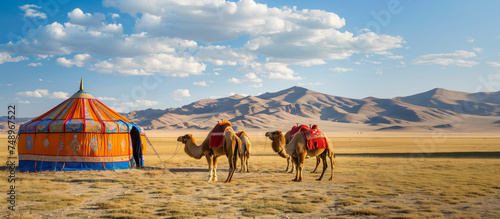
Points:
(193, 170)
(187, 170)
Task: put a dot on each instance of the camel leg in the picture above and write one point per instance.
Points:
(288, 164)
(300, 165)
(231, 167)
(332, 162)
(210, 168)
(317, 164)
(325, 166)
(216, 160)
(242, 158)
(246, 163)
(231, 158)
(295, 162)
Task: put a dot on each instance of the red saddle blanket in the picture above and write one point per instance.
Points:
(315, 139)
(217, 136)
(296, 129)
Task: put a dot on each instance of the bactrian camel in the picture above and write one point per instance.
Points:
(229, 148)
(297, 149)
(290, 164)
(245, 150)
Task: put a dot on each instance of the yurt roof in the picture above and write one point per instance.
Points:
(79, 113)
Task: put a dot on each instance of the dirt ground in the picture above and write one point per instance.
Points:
(407, 186)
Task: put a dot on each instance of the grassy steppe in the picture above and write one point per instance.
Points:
(399, 187)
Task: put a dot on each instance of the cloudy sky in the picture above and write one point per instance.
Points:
(168, 53)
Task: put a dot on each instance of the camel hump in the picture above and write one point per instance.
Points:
(241, 133)
(221, 126)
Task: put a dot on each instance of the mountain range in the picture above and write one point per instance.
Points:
(436, 109)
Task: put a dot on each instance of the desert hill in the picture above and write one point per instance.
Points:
(431, 110)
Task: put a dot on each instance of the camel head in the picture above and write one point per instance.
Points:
(185, 138)
(278, 140)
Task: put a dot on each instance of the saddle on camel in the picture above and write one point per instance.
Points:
(217, 136)
(315, 139)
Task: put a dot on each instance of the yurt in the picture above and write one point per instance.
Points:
(81, 133)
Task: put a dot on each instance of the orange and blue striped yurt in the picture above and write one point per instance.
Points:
(81, 133)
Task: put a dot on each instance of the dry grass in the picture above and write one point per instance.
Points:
(404, 187)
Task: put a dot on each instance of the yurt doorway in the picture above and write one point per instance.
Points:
(136, 145)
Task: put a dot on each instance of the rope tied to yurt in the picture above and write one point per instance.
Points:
(150, 144)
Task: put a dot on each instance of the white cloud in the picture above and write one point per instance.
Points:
(40, 79)
(280, 76)
(233, 93)
(494, 64)
(271, 70)
(234, 81)
(6, 57)
(165, 64)
(357, 63)
(106, 98)
(339, 69)
(257, 85)
(85, 19)
(249, 77)
(388, 55)
(364, 30)
(79, 60)
(470, 40)
(165, 35)
(35, 64)
(36, 93)
(39, 93)
(202, 83)
(224, 55)
(59, 95)
(479, 50)
(24, 101)
(252, 77)
(67, 38)
(379, 72)
(32, 12)
(456, 58)
(179, 94)
(287, 35)
(216, 73)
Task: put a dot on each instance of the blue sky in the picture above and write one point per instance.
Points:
(159, 54)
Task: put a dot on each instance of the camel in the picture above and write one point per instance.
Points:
(288, 164)
(230, 147)
(245, 150)
(297, 149)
